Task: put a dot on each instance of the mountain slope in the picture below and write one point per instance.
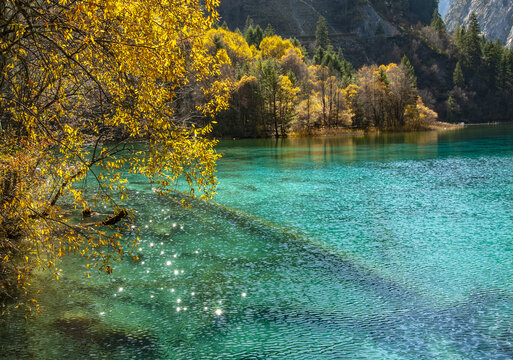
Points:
(494, 16)
(368, 31)
(299, 17)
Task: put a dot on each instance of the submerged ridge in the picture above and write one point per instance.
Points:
(329, 257)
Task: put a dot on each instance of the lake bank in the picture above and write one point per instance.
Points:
(344, 131)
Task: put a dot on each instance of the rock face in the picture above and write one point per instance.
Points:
(494, 16)
(299, 17)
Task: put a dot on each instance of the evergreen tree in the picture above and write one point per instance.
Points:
(269, 79)
(249, 23)
(340, 55)
(505, 82)
(459, 38)
(269, 31)
(492, 60)
(457, 76)
(218, 42)
(410, 71)
(319, 55)
(451, 109)
(321, 34)
(298, 44)
(473, 43)
(254, 35)
(258, 36)
(438, 23)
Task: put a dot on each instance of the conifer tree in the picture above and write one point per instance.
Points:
(254, 35)
(269, 31)
(473, 44)
(457, 76)
(249, 23)
(321, 34)
(492, 61)
(410, 71)
(438, 23)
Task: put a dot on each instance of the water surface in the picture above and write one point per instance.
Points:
(391, 246)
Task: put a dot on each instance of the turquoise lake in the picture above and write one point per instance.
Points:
(395, 246)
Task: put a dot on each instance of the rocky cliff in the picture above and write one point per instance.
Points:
(299, 17)
(494, 16)
(368, 31)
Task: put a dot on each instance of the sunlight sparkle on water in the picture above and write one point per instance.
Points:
(219, 312)
(168, 263)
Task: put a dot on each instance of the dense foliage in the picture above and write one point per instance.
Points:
(277, 89)
(483, 75)
(80, 81)
(478, 83)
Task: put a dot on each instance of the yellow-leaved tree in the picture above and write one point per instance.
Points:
(386, 97)
(80, 82)
(274, 47)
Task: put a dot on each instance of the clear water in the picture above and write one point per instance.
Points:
(374, 247)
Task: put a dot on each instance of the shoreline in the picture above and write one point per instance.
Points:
(343, 131)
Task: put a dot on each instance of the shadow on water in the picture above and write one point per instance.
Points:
(413, 316)
(87, 332)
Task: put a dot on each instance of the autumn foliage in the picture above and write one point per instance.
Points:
(277, 90)
(83, 81)
(80, 82)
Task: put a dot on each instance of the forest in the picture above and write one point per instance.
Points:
(278, 89)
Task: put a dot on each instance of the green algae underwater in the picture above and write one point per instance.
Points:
(392, 246)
